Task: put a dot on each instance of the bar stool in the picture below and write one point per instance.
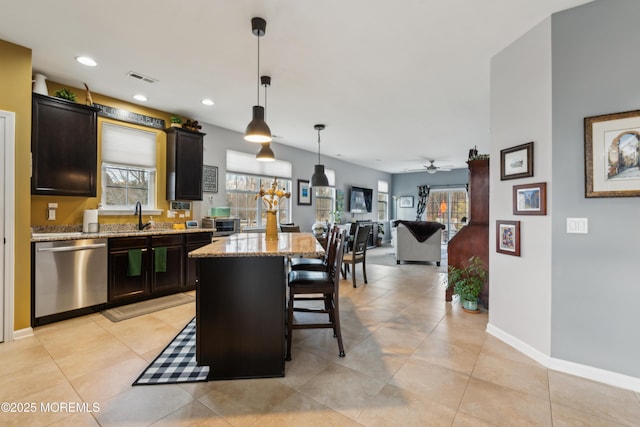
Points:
(315, 264)
(306, 285)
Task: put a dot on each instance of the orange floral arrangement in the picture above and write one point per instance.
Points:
(271, 196)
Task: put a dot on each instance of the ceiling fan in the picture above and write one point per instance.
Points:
(432, 168)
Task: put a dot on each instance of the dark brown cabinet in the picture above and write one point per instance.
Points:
(64, 147)
(165, 267)
(192, 242)
(123, 283)
(184, 164)
(167, 250)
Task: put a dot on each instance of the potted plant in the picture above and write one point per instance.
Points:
(467, 282)
(176, 121)
(65, 93)
(380, 234)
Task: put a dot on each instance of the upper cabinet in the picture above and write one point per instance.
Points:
(184, 164)
(64, 147)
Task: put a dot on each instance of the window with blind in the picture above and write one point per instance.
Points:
(243, 179)
(128, 167)
(383, 201)
(325, 199)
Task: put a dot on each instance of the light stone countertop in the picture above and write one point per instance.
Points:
(77, 235)
(256, 244)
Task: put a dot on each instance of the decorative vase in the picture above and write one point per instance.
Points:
(40, 84)
(272, 224)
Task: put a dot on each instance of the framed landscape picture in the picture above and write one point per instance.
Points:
(304, 192)
(612, 155)
(406, 201)
(516, 162)
(508, 237)
(530, 199)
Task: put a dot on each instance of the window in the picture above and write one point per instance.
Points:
(383, 201)
(128, 168)
(449, 207)
(325, 199)
(243, 179)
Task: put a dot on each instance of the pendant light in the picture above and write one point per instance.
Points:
(258, 130)
(266, 153)
(319, 179)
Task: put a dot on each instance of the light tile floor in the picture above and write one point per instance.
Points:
(412, 360)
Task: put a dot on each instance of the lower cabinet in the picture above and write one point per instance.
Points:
(150, 266)
(127, 283)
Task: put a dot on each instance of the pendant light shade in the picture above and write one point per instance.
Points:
(265, 154)
(319, 179)
(258, 130)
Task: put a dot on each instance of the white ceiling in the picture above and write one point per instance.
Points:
(395, 82)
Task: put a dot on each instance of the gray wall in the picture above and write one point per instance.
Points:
(595, 291)
(217, 140)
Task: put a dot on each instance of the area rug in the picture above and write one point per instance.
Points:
(177, 362)
(145, 307)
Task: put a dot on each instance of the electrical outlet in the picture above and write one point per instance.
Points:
(51, 214)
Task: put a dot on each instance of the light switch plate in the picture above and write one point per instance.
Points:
(578, 225)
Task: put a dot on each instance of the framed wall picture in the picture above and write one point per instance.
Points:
(530, 199)
(612, 155)
(209, 179)
(304, 192)
(508, 237)
(516, 162)
(406, 201)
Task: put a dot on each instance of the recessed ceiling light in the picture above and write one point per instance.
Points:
(139, 97)
(85, 60)
(207, 101)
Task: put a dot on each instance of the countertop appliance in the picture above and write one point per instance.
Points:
(69, 274)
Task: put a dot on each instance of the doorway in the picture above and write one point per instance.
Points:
(449, 207)
(7, 155)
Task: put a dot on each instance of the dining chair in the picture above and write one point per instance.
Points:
(289, 228)
(316, 264)
(322, 286)
(358, 254)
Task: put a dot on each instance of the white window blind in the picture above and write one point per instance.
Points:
(383, 187)
(331, 176)
(127, 146)
(247, 163)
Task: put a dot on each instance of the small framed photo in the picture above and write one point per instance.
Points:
(530, 199)
(612, 155)
(406, 201)
(304, 193)
(508, 237)
(516, 162)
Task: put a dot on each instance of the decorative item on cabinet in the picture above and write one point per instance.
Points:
(184, 164)
(64, 147)
(65, 93)
(40, 84)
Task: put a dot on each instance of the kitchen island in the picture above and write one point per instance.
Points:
(241, 303)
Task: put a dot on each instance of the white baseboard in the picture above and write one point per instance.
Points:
(22, 333)
(584, 371)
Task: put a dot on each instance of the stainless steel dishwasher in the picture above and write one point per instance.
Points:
(70, 274)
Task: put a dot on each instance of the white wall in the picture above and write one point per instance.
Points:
(520, 295)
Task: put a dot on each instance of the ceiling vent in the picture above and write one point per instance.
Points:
(141, 77)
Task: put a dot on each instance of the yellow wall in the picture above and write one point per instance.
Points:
(15, 90)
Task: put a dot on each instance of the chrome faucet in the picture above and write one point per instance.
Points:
(138, 212)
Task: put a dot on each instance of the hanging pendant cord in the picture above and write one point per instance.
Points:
(258, 73)
(318, 146)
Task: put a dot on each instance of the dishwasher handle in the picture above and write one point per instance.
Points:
(73, 248)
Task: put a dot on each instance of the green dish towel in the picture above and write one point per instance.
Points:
(134, 268)
(160, 261)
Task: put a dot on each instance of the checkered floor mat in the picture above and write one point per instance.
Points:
(177, 362)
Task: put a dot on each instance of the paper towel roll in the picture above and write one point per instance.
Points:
(90, 217)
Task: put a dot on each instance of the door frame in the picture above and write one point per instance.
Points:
(8, 283)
